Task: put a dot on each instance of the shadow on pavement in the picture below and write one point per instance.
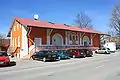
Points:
(52, 60)
(12, 63)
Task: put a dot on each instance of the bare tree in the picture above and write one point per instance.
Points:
(115, 20)
(83, 20)
(112, 31)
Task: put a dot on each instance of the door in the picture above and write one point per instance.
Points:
(86, 41)
(57, 40)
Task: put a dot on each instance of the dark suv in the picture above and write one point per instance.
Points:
(45, 56)
(88, 52)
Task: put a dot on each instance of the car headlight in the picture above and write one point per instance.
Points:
(81, 53)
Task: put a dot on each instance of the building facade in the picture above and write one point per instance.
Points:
(28, 36)
(4, 44)
(115, 39)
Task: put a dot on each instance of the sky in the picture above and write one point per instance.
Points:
(58, 11)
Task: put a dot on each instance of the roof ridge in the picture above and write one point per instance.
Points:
(46, 24)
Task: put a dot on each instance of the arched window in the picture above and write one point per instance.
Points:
(86, 41)
(73, 37)
(57, 40)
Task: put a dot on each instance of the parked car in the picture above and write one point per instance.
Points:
(62, 54)
(76, 53)
(111, 46)
(103, 50)
(88, 52)
(4, 59)
(45, 56)
(117, 47)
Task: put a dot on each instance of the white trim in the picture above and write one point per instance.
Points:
(11, 40)
(24, 50)
(83, 34)
(14, 28)
(20, 25)
(48, 40)
(91, 40)
(66, 38)
(17, 26)
(19, 41)
(94, 35)
(80, 40)
(49, 31)
(15, 42)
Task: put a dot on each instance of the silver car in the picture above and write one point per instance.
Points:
(103, 50)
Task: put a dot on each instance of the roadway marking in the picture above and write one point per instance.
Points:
(100, 66)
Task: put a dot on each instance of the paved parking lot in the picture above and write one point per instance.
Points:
(99, 67)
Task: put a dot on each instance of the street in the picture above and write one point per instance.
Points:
(98, 67)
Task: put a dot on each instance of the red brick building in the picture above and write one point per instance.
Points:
(29, 35)
(4, 44)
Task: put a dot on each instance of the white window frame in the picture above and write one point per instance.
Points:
(13, 41)
(14, 28)
(19, 41)
(20, 25)
(74, 35)
(17, 26)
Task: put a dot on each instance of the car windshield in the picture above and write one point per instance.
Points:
(38, 53)
(64, 51)
(81, 50)
(102, 49)
(3, 54)
(49, 52)
(75, 50)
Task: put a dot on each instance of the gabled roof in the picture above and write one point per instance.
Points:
(43, 24)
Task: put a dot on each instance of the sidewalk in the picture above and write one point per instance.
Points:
(18, 59)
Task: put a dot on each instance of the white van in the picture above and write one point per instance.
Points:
(111, 46)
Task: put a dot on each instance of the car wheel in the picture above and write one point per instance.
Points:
(73, 56)
(33, 58)
(95, 51)
(91, 55)
(84, 55)
(59, 58)
(105, 52)
(44, 59)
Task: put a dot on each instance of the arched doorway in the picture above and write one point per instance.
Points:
(57, 40)
(86, 41)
